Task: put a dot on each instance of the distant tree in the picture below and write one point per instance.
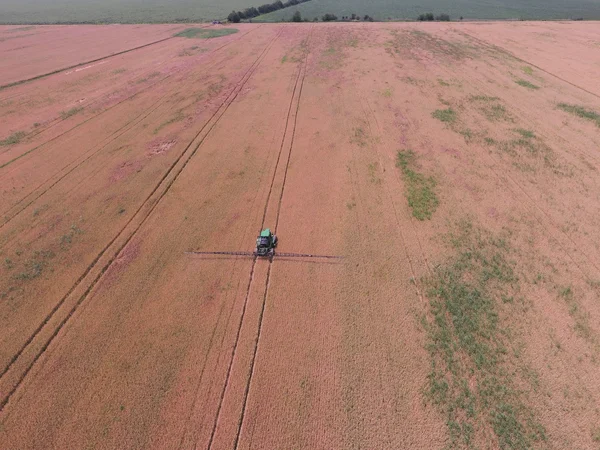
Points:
(251, 12)
(443, 18)
(353, 17)
(461, 17)
(367, 18)
(329, 17)
(234, 17)
(316, 19)
(297, 17)
(427, 17)
(242, 15)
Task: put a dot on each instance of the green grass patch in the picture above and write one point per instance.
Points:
(581, 112)
(13, 139)
(149, 77)
(445, 115)
(483, 98)
(204, 33)
(420, 190)
(469, 345)
(525, 133)
(71, 112)
(35, 266)
(467, 134)
(527, 84)
(527, 70)
(496, 113)
(178, 117)
(360, 137)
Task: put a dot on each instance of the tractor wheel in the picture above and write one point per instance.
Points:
(274, 241)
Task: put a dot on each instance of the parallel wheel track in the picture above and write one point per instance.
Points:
(148, 201)
(124, 129)
(299, 80)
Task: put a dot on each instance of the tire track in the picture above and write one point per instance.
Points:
(391, 200)
(521, 60)
(54, 72)
(16, 158)
(533, 207)
(299, 78)
(108, 109)
(268, 277)
(150, 203)
(112, 138)
(23, 93)
(128, 82)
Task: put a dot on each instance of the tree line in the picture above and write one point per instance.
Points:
(249, 13)
(428, 17)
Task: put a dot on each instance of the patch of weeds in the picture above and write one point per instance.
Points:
(581, 112)
(121, 211)
(413, 81)
(524, 167)
(496, 113)
(217, 87)
(149, 77)
(67, 238)
(35, 266)
(351, 205)
(332, 57)
(8, 263)
(36, 124)
(445, 115)
(443, 83)
(373, 177)
(525, 133)
(527, 84)
(71, 112)
(442, 101)
(204, 33)
(179, 116)
(489, 141)
(352, 42)
(420, 190)
(467, 134)
(284, 59)
(359, 138)
(387, 92)
(469, 344)
(596, 434)
(13, 139)
(594, 284)
(191, 51)
(483, 98)
(527, 70)
(581, 318)
(37, 211)
(118, 71)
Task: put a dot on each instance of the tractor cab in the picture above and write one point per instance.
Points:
(266, 243)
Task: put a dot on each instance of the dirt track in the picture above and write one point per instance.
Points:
(112, 337)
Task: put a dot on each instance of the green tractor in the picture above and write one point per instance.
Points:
(265, 243)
